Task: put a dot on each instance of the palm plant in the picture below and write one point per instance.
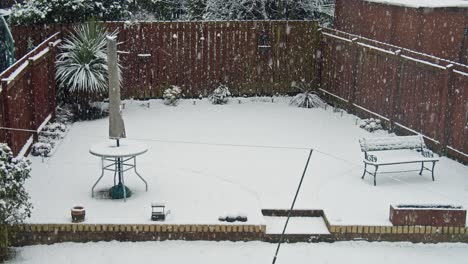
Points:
(81, 67)
(307, 98)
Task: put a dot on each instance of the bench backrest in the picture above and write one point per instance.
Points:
(391, 143)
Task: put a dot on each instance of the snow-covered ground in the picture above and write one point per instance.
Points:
(209, 160)
(176, 252)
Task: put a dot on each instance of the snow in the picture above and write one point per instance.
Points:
(16, 72)
(389, 143)
(424, 62)
(207, 160)
(296, 225)
(182, 252)
(26, 146)
(5, 12)
(40, 54)
(424, 3)
(126, 148)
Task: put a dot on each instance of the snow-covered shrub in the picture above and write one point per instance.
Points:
(235, 10)
(81, 67)
(160, 9)
(42, 149)
(14, 200)
(67, 11)
(307, 98)
(322, 10)
(82, 61)
(371, 124)
(54, 127)
(195, 9)
(220, 95)
(172, 95)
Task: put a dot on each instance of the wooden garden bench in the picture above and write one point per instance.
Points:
(418, 154)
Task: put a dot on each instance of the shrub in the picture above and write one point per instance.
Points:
(81, 67)
(68, 11)
(371, 124)
(159, 9)
(172, 95)
(220, 95)
(308, 98)
(14, 200)
(42, 149)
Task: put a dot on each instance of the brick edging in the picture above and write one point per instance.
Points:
(426, 234)
(33, 234)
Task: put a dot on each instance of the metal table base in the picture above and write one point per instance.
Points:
(118, 166)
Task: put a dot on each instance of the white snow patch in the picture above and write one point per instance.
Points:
(183, 252)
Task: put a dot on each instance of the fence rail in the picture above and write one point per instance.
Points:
(28, 95)
(412, 92)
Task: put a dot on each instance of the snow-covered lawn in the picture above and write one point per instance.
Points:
(209, 160)
(180, 252)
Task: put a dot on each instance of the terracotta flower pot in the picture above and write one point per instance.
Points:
(78, 214)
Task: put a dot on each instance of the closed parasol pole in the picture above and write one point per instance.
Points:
(116, 123)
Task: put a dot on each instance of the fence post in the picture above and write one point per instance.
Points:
(356, 64)
(51, 76)
(6, 116)
(395, 93)
(319, 59)
(447, 95)
(33, 105)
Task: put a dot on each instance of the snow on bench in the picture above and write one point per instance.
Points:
(415, 143)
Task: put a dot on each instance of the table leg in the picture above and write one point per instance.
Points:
(134, 167)
(115, 173)
(123, 185)
(102, 174)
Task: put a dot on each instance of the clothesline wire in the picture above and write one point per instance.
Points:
(206, 144)
(244, 146)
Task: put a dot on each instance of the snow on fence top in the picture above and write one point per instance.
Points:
(391, 143)
(424, 3)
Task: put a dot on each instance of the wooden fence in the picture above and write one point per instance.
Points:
(411, 92)
(28, 95)
(250, 57)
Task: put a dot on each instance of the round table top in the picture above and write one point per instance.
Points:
(127, 148)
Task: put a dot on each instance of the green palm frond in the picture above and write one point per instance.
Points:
(82, 65)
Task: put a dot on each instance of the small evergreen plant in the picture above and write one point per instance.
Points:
(220, 95)
(172, 95)
(14, 200)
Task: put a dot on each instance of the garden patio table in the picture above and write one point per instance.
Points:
(118, 159)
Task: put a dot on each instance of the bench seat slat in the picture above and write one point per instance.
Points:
(391, 143)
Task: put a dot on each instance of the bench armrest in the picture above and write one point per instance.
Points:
(371, 158)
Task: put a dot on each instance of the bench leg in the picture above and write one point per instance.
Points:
(375, 175)
(422, 168)
(365, 170)
(433, 165)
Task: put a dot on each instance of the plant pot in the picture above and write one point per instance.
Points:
(78, 214)
(427, 215)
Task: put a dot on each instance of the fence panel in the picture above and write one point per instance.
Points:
(412, 94)
(459, 113)
(28, 95)
(251, 57)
